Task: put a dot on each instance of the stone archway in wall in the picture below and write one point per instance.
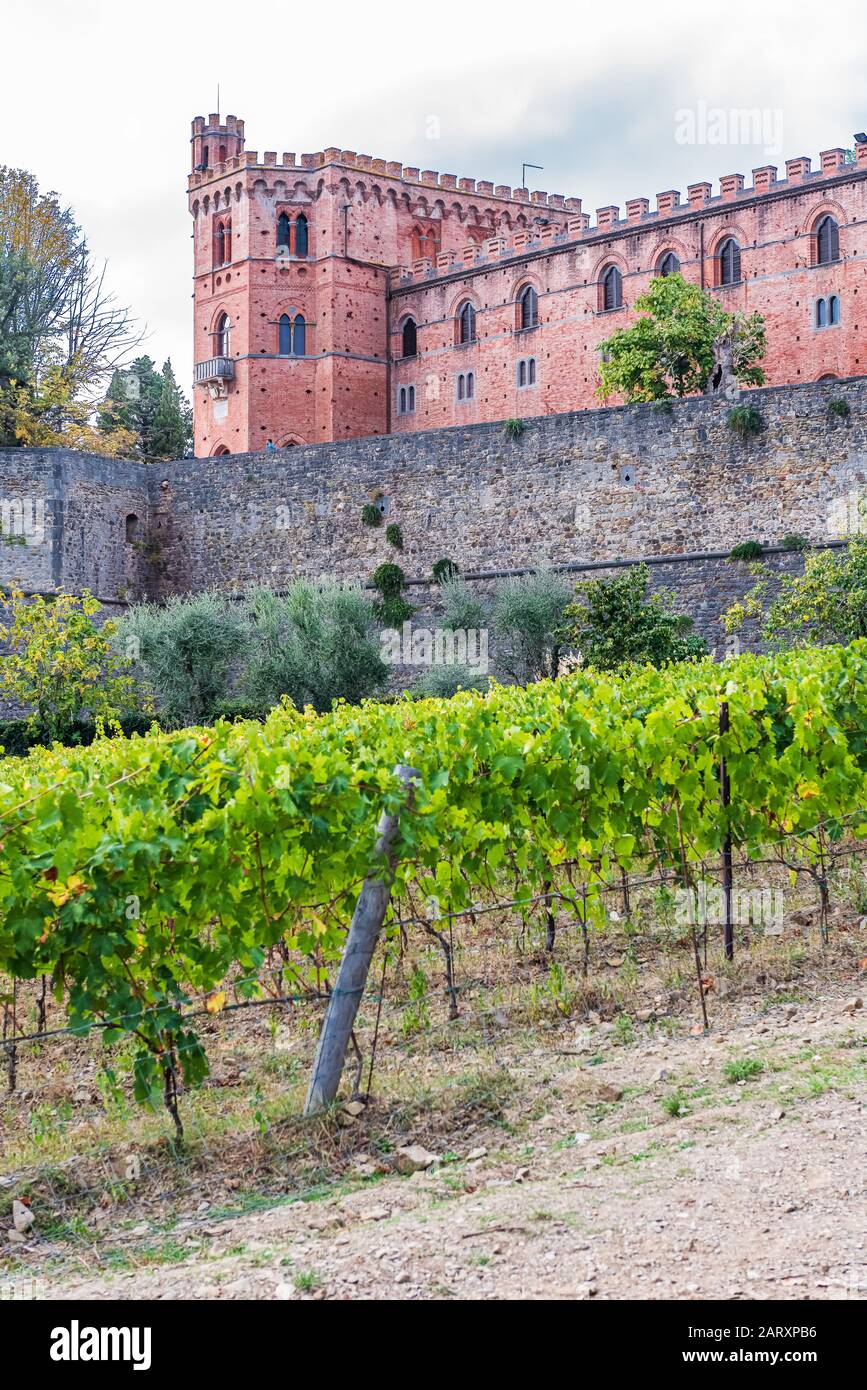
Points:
(288, 441)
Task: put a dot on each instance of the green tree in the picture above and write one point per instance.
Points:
(827, 603)
(315, 644)
(187, 650)
(61, 332)
(61, 666)
(670, 348)
(527, 615)
(615, 623)
(150, 405)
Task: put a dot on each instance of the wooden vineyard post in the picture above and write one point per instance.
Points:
(726, 796)
(361, 939)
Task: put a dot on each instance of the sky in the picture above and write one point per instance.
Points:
(615, 101)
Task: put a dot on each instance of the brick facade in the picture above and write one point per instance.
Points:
(387, 243)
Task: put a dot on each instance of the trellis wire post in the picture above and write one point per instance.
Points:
(361, 939)
(725, 796)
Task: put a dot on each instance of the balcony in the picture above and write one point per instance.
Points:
(219, 369)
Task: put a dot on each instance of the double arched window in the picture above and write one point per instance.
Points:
(467, 323)
(827, 236)
(293, 239)
(612, 289)
(409, 339)
(668, 265)
(466, 386)
(528, 308)
(828, 311)
(526, 373)
(222, 337)
(406, 400)
(729, 257)
(223, 242)
(425, 243)
(293, 335)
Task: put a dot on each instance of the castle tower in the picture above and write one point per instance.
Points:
(293, 257)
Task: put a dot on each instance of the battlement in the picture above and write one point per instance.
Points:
(578, 226)
(368, 164)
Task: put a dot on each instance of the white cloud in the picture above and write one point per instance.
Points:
(98, 99)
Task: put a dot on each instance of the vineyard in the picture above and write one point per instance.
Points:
(148, 881)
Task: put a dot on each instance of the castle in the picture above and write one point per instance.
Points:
(338, 295)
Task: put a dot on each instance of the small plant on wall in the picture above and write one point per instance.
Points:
(745, 420)
(394, 535)
(747, 550)
(513, 429)
(392, 608)
(443, 570)
(839, 408)
(371, 515)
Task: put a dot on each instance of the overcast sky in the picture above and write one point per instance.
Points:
(96, 100)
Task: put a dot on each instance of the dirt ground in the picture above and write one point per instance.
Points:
(592, 1160)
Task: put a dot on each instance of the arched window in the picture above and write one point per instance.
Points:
(471, 385)
(669, 265)
(292, 335)
(833, 309)
(531, 372)
(221, 245)
(821, 313)
(410, 338)
(301, 238)
(612, 288)
(220, 451)
(466, 323)
(406, 400)
(222, 337)
(461, 385)
(529, 308)
(283, 225)
(132, 527)
(827, 241)
(729, 262)
(522, 373)
(410, 405)
(222, 154)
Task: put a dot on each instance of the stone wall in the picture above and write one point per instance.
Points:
(594, 486)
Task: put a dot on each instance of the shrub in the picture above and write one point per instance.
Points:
(17, 737)
(827, 603)
(747, 551)
(840, 408)
(444, 569)
(793, 541)
(617, 623)
(444, 681)
(513, 429)
(463, 610)
(314, 644)
(392, 608)
(527, 617)
(745, 420)
(186, 650)
(371, 515)
(394, 535)
(61, 664)
(663, 407)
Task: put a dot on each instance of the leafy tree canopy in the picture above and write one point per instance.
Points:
(827, 603)
(616, 624)
(670, 349)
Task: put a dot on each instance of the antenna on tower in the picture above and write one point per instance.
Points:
(218, 97)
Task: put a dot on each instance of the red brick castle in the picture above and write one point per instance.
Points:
(339, 295)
